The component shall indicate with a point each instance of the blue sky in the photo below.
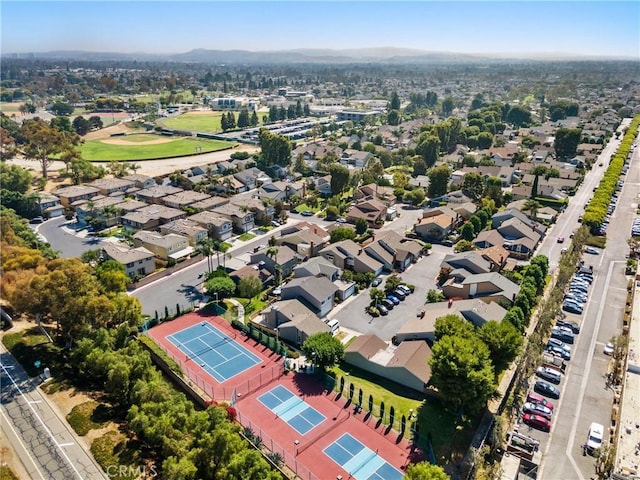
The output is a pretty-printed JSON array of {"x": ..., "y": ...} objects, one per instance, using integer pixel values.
[{"x": 604, "y": 28}]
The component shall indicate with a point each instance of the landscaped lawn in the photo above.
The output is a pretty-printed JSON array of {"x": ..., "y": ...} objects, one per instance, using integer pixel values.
[
  {"x": 245, "y": 237},
  {"x": 201, "y": 122},
  {"x": 450, "y": 437},
  {"x": 96, "y": 150}
]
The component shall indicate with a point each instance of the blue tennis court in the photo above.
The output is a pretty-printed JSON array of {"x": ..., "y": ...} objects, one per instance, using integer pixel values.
[
  {"x": 292, "y": 409},
  {"x": 361, "y": 462},
  {"x": 215, "y": 352}
]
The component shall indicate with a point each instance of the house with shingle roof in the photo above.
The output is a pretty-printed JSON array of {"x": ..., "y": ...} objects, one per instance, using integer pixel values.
[
  {"x": 157, "y": 193},
  {"x": 406, "y": 364},
  {"x": 369, "y": 209},
  {"x": 393, "y": 250},
  {"x": 316, "y": 292},
  {"x": 165, "y": 247},
  {"x": 218, "y": 226},
  {"x": 293, "y": 320},
  {"x": 186, "y": 228},
  {"x": 347, "y": 254},
  {"x": 484, "y": 286},
  {"x": 137, "y": 262}
]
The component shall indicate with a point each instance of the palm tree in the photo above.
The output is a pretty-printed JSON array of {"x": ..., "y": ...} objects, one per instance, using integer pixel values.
[
  {"x": 532, "y": 206},
  {"x": 205, "y": 246}
]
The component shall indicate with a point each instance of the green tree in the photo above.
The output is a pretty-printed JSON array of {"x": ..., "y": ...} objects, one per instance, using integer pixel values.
[
  {"x": 434, "y": 296},
  {"x": 223, "y": 287},
  {"x": 472, "y": 184},
  {"x": 425, "y": 471},
  {"x": 504, "y": 342},
  {"x": 393, "y": 117},
  {"x": 394, "y": 103},
  {"x": 428, "y": 147},
  {"x": 447, "y": 106},
  {"x": 439, "y": 178},
  {"x": 339, "y": 178},
  {"x": 376, "y": 295},
  {"x": 341, "y": 233},
  {"x": 519, "y": 116},
  {"x": 331, "y": 212},
  {"x": 249, "y": 287},
  {"x": 243, "y": 118},
  {"x": 324, "y": 349},
  {"x": 419, "y": 167},
  {"x": 468, "y": 232},
  {"x": 361, "y": 226},
  {"x": 276, "y": 149},
  {"x": 392, "y": 282},
  {"x": 62, "y": 108},
  {"x": 462, "y": 372},
  {"x": 112, "y": 276},
  {"x": 485, "y": 140},
  {"x": 42, "y": 142},
  {"x": 493, "y": 190},
  {"x": 452, "y": 325},
  {"x": 14, "y": 178},
  {"x": 81, "y": 125},
  {"x": 566, "y": 142}
]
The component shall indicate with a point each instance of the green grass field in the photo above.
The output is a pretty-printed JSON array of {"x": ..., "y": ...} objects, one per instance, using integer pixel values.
[
  {"x": 10, "y": 107},
  {"x": 95, "y": 150},
  {"x": 208, "y": 122}
]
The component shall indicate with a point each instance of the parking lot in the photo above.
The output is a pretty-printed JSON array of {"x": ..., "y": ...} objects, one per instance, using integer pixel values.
[{"x": 352, "y": 313}]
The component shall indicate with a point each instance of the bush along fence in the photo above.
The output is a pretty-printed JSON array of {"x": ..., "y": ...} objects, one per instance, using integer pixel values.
[
  {"x": 405, "y": 423},
  {"x": 271, "y": 342}
]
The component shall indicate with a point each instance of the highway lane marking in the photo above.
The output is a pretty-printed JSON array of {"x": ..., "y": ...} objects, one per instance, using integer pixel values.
[
  {"x": 26, "y": 450},
  {"x": 26, "y": 399}
]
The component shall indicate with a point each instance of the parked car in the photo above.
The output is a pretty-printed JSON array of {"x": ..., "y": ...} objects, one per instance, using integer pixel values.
[
  {"x": 306, "y": 213},
  {"x": 559, "y": 343},
  {"x": 341, "y": 220},
  {"x": 447, "y": 243},
  {"x": 536, "y": 421},
  {"x": 394, "y": 299},
  {"x": 575, "y": 327},
  {"x": 405, "y": 289},
  {"x": 383, "y": 310},
  {"x": 388, "y": 304},
  {"x": 546, "y": 389},
  {"x": 594, "y": 437},
  {"x": 562, "y": 335},
  {"x": 537, "y": 409},
  {"x": 400, "y": 294},
  {"x": 36, "y": 220},
  {"x": 549, "y": 374},
  {"x": 533, "y": 397},
  {"x": 608, "y": 349},
  {"x": 376, "y": 281},
  {"x": 591, "y": 251},
  {"x": 559, "y": 351},
  {"x": 571, "y": 308}
]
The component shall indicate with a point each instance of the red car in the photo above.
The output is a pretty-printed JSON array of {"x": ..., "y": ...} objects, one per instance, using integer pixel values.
[
  {"x": 533, "y": 397},
  {"x": 536, "y": 421},
  {"x": 560, "y": 239}
]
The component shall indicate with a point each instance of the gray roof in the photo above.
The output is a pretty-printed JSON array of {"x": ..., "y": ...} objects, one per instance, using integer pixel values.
[
  {"x": 124, "y": 254},
  {"x": 316, "y": 287}
]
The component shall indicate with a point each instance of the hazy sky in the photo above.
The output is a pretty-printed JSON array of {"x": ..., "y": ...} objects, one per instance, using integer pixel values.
[{"x": 610, "y": 28}]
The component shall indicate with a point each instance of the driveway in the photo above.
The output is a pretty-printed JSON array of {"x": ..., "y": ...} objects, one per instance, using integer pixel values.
[
  {"x": 422, "y": 274},
  {"x": 64, "y": 240}
]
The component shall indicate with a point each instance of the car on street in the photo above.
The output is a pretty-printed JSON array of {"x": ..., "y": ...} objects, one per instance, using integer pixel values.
[
  {"x": 560, "y": 239},
  {"x": 559, "y": 344},
  {"x": 566, "y": 355},
  {"x": 575, "y": 327},
  {"x": 533, "y": 397},
  {"x": 36, "y": 220},
  {"x": 594, "y": 437},
  {"x": 562, "y": 335},
  {"x": 549, "y": 374},
  {"x": 608, "y": 349},
  {"x": 536, "y": 421},
  {"x": 306, "y": 213},
  {"x": 591, "y": 251},
  {"x": 564, "y": 250},
  {"x": 571, "y": 308},
  {"x": 447, "y": 243},
  {"x": 537, "y": 409},
  {"x": 546, "y": 389},
  {"x": 394, "y": 299}
]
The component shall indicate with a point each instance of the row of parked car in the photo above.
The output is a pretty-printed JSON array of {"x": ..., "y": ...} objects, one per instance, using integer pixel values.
[
  {"x": 635, "y": 227},
  {"x": 392, "y": 299},
  {"x": 578, "y": 292}
]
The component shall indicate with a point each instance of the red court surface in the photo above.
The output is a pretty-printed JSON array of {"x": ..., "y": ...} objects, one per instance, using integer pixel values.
[
  {"x": 243, "y": 383},
  {"x": 310, "y": 461},
  {"x": 302, "y": 453}
]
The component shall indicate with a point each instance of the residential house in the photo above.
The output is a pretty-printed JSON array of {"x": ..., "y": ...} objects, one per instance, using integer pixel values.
[
  {"x": 104, "y": 211},
  {"x": 252, "y": 177},
  {"x": 218, "y": 226},
  {"x": 315, "y": 292},
  {"x": 154, "y": 195},
  {"x": 348, "y": 255},
  {"x": 137, "y": 262},
  {"x": 281, "y": 264},
  {"x": 165, "y": 247},
  {"x": 488, "y": 239},
  {"x": 108, "y": 186},
  {"x": 370, "y": 209},
  {"x": 307, "y": 239},
  {"x": 241, "y": 217},
  {"x": 75, "y": 193},
  {"x": 499, "y": 217},
  {"x": 393, "y": 251},
  {"x": 323, "y": 185},
  {"x": 497, "y": 256},
  {"x": 355, "y": 158},
  {"x": 485, "y": 286},
  {"x": 519, "y": 238},
  {"x": 151, "y": 217},
  {"x": 465, "y": 210},
  {"x": 384, "y": 194},
  {"x": 261, "y": 273},
  {"x": 470, "y": 261},
  {"x": 321, "y": 267},
  {"x": 49, "y": 205},
  {"x": 209, "y": 203},
  {"x": 140, "y": 181},
  {"x": 437, "y": 223},
  {"x": 293, "y": 321},
  {"x": 184, "y": 199},
  {"x": 406, "y": 364},
  {"x": 185, "y": 227},
  {"x": 263, "y": 212}
]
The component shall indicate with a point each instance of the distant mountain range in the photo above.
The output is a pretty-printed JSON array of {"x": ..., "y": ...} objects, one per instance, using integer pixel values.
[{"x": 299, "y": 56}]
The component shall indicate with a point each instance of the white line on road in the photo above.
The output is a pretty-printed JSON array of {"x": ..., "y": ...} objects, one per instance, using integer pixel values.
[
  {"x": 585, "y": 377},
  {"x": 66, "y": 444},
  {"x": 34, "y": 401},
  {"x": 26, "y": 450}
]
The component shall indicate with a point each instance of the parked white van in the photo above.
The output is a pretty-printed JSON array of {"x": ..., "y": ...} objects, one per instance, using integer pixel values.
[{"x": 334, "y": 325}]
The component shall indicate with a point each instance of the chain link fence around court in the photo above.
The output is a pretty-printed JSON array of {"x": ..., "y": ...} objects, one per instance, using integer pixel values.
[
  {"x": 191, "y": 370},
  {"x": 287, "y": 455}
]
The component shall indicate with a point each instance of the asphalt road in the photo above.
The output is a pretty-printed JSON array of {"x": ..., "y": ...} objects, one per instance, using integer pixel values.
[
  {"x": 68, "y": 244},
  {"x": 46, "y": 445},
  {"x": 585, "y": 397}
]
